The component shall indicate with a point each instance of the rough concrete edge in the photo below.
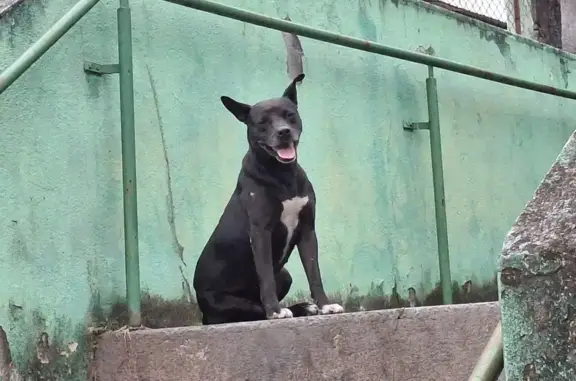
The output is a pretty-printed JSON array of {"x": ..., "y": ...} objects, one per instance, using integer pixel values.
[
  {"x": 121, "y": 352},
  {"x": 531, "y": 251},
  {"x": 390, "y": 314},
  {"x": 512, "y": 244}
]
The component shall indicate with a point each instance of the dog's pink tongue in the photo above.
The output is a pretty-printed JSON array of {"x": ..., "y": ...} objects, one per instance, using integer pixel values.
[{"x": 286, "y": 153}]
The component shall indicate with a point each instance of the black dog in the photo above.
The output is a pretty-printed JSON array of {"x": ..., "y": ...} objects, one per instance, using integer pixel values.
[{"x": 240, "y": 275}]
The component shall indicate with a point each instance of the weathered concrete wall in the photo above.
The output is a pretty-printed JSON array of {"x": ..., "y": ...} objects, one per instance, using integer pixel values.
[
  {"x": 61, "y": 251},
  {"x": 413, "y": 344},
  {"x": 538, "y": 280},
  {"x": 526, "y": 22},
  {"x": 569, "y": 25},
  {"x": 529, "y": 29}
]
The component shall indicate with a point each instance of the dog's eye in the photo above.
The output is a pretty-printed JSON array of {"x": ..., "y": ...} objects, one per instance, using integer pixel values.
[
  {"x": 289, "y": 115},
  {"x": 262, "y": 126}
]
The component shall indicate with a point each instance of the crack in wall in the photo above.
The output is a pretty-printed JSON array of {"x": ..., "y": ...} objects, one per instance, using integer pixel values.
[
  {"x": 178, "y": 248},
  {"x": 185, "y": 287}
]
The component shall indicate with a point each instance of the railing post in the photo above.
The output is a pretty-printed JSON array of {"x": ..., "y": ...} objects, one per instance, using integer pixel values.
[
  {"x": 433, "y": 125},
  {"x": 129, "y": 163},
  {"x": 438, "y": 183}
]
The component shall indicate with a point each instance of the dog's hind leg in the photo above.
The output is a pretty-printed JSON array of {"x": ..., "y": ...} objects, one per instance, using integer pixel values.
[
  {"x": 220, "y": 308},
  {"x": 283, "y": 283}
]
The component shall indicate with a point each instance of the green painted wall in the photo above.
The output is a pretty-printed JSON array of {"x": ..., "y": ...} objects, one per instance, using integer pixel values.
[{"x": 61, "y": 248}]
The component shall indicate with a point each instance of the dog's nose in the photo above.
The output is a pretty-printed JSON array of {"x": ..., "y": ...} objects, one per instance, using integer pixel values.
[{"x": 284, "y": 132}]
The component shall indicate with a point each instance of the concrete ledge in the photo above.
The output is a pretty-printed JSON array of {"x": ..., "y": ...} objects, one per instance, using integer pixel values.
[{"x": 413, "y": 344}]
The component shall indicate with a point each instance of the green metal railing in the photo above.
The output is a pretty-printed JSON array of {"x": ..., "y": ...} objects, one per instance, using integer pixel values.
[
  {"x": 438, "y": 183},
  {"x": 490, "y": 363},
  {"x": 130, "y": 199},
  {"x": 124, "y": 68},
  {"x": 433, "y": 114},
  {"x": 367, "y": 46}
]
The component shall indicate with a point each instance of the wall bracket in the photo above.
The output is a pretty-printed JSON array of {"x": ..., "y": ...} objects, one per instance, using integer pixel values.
[
  {"x": 101, "y": 69},
  {"x": 417, "y": 126}
]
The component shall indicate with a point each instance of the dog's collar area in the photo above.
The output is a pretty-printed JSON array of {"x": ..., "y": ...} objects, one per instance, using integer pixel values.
[{"x": 274, "y": 153}]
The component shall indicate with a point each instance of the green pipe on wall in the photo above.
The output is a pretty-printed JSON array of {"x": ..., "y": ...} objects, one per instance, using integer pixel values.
[
  {"x": 491, "y": 362},
  {"x": 438, "y": 183},
  {"x": 130, "y": 193}
]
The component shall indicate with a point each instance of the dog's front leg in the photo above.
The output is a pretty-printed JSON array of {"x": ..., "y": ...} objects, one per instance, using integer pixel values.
[
  {"x": 308, "y": 249},
  {"x": 262, "y": 248}
]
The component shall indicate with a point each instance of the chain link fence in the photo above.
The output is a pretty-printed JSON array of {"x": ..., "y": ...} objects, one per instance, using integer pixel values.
[
  {"x": 495, "y": 9},
  {"x": 510, "y": 14}
]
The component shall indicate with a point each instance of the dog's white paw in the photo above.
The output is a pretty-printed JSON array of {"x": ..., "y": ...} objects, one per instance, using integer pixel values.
[
  {"x": 284, "y": 313},
  {"x": 332, "y": 309},
  {"x": 312, "y": 309}
]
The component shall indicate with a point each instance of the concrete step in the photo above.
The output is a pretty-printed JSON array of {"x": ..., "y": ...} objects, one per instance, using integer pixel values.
[{"x": 440, "y": 343}]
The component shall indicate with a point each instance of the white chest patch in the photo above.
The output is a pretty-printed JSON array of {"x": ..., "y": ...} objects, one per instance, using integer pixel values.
[{"x": 290, "y": 217}]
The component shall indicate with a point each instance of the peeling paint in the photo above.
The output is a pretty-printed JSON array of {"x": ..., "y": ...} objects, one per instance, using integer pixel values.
[
  {"x": 48, "y": 364},
  {"x": 44, "y": 353},
  {"x": 71, "y": 348},
  {"x": 499, "y": 39},
  {"x": 429, "y": 50},
  {"x": 294, "y": 54}
]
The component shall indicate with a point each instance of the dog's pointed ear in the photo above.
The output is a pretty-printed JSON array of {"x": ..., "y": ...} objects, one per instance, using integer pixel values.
[
  {"x": 290, "y": 91},
  {"x": 239, "y": 110}
]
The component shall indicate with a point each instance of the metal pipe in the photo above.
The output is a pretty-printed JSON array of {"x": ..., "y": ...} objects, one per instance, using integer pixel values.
[
  {"x": 34, "y": 52},
  {"x": 129, "y": 164},
  {"x": 517, "y": 20},
  {"x": 367, "y": 46},
  {"x": 438, "y": 183},
  {"x": 491, "y": 361}
]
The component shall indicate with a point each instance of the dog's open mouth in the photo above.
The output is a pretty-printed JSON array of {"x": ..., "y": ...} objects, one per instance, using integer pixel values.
[{"x": 284, "y": 154}]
